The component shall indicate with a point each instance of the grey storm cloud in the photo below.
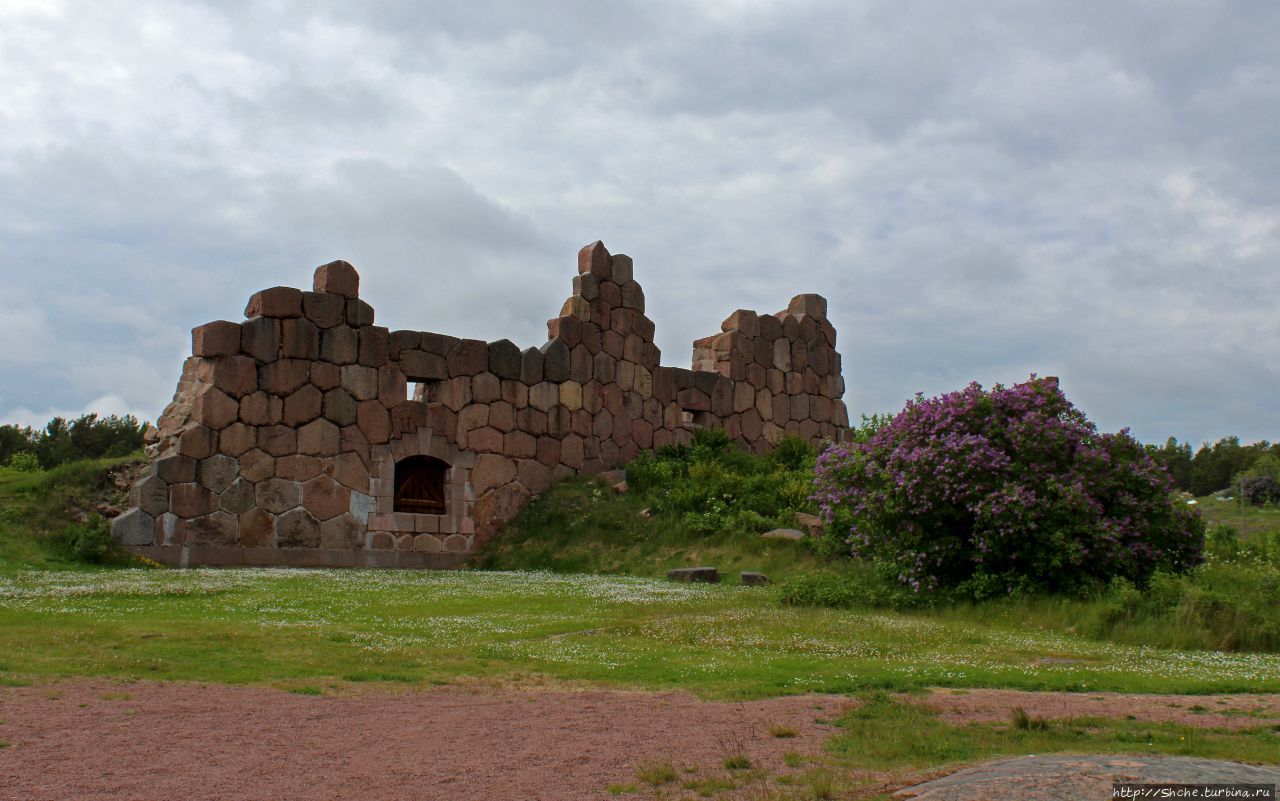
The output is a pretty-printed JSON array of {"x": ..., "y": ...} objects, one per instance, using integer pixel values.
[{"x": 982, "y": 190}]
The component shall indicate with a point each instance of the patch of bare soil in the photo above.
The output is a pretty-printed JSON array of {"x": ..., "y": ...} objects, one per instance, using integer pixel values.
[
  {"x": 1205, "y": 711},
  {"x": 99, "y": 740}
]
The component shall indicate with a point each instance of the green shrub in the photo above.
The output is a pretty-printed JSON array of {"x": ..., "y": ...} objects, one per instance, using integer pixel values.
[
  {"x": 89, "y": 541},
  {"x": 860, "y": 587},
  {"x": 24, "y": 462},
  {"x": 1005, "y": 491}
]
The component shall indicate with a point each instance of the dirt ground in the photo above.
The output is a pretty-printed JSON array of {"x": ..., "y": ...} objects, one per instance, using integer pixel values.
[{"x": 103, "y": 740}]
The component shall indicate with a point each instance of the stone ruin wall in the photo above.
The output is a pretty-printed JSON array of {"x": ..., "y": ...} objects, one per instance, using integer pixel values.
[{"x": 281, "y": 443}]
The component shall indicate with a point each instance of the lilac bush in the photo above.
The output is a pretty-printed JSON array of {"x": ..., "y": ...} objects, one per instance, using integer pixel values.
[{"x": 1003, "y": 491}]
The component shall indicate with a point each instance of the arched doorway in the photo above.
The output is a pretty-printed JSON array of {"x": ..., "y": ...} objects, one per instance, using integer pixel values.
[{"x": 420, "y": 485}]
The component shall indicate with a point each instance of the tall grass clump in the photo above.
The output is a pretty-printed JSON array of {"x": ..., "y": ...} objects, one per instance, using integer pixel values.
[{"x": 987, "y": 493}]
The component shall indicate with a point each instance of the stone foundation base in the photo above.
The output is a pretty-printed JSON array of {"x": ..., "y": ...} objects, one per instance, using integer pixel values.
[{"x": 215, "y": 556}]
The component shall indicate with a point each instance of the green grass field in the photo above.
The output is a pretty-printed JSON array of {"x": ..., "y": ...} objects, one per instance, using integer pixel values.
[{"x": 282, "y": 627}]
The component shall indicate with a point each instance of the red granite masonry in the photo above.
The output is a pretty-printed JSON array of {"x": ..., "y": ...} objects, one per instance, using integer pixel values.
[{"x": 281, "y": 444}]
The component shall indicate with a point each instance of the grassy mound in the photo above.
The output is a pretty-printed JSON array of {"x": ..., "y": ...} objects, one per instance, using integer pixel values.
[{"x": 50, "y": 518}]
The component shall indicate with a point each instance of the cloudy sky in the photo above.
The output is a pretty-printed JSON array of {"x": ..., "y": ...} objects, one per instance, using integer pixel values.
[{"x": 981, "y": 189}]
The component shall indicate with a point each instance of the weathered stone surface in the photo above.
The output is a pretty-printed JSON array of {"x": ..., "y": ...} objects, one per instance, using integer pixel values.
[
  {"x": 278, "y": 301},
  {"x": 814, "y": 306},
  {"x": 343, "y": 533},
  {"x": 277, "y": 440},
  {"x": 359, "y": 313},
  {"x": 219, "y": 338},
  {"x": 338, "y": 278},
  {"x": 484, "y": 440},
  {"x": 632, "y": 296},
  {"x": 214, "y": 408},
  {"x": 362, "y": 506},
  {"x": 468, "y": 357},
  {"x": 191, "y": 500},
  {"x": 324, "y": 309},
  {"x": 374, "y": 421},
  {"x": 501, "y": 504},
  {"x": 276, "y": 495},
  {"x": 237, "y": 498},
  {"x": 261, "y": 409},
  {"x": 299, "y": 339},
  {"x": 256, "y": 466},
  {"x": 340, "y": 345},
  {"x": 197, "y": 442},
  {"x": 319, "y": 438},
  {"x": 260, "y": 339},
  {"x": 556, "y": 361},
  {"x": 392, "y": 385},
  {"x": 257, "y": 529},
  {"x": 217, "y": 472},
  {"x": 595, "y": 259},
  {"x": 491, "y": 470},
  {"x": 568, "y": 329},
  {"x": 360, "y": 381},
  {"x": 325, "y": 498},
  {"x": 219, "y": 528},
  {"x": 485, "y": 388},
  {"x": 283, "y": 377},
  {"x": 351, "y": 471},
  {"x": 420, "y": 365},
  {"x": 151, "y": 495},
  {"x": 237, "y": 438},
  {"x": 374, "y": 346},
  {"x": 175, "y": 469},
  {"x": 302, "y": 406},
  {"x": 134, "y": 527},
  {"x": 299, "y": 467},
  {"x": 297, "y": 529},
  {"x": 339, "y": 407},
  {"x": 701, "y": 575}
]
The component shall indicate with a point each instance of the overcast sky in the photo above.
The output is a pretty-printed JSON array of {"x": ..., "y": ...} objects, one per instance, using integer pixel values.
[{"x": 981, "y": 189}]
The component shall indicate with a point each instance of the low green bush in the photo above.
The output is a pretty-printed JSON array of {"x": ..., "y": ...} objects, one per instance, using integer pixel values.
[{"x": 89, "y": 541}]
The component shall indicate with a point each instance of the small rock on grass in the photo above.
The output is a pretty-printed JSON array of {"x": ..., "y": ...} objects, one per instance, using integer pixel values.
[
  {"x": 704, "y": 575},
  {"x": 750, "y": 578}
]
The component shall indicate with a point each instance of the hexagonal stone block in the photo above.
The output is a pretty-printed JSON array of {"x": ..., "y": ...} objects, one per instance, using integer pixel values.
[
  {"x": 237, "y": 438},
  {"x": 151, "y": 495},
  {"x": 237, "y": 498},
  {"x": 419, "y": 365},
  {"x": 342, "y": 533},
  {"x": 260, "y": 338},
  {"x": 219, "y": 338},
  {"x": 175, "y": 469},
  {"x": 299, "y": 339},
  {"x": 214, "y": 409},
  {"x": 325, "y": 498},
  {"x": 278, "y": 301},
  {"x": 218, "y": 528},
  {"x": 359, "y": 313},
  {"x": 197, "y": 442},
  {"x": 595, "y": 259},
  {"x": 340, "y": 345},
  {"x": 257, "y": 529},
  {"x": 284, "y": 377},
  {"x": 318, "y": 438},
  {"x": 261, "y": 409},
  {"x": 302, "y": 406},
  {"x": 217, "y": 472},
  {"x": 298, "y": 467},
  {"x": 191, "y": 500},
  {"x": 276, "y": 495},
  {"x": 235, "y": 375},
  {"x": 374, "y": 421},
  {"x": 360, "y": 381},
  {"x": 134, "y": 527},
  {"x": 278, "y": 440},
  {"x": 324, "y": 309},
  {"x": 297, "y": 529},
  {"x": 257, "y": 466},
  {"x": 374, "y": 346},
  {"x": 338, "y": 278}
]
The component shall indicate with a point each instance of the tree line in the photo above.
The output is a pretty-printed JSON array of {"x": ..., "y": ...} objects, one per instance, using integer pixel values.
[
  {"x": 62, "y": 441},
  {"x": 1218, "y": 466}
]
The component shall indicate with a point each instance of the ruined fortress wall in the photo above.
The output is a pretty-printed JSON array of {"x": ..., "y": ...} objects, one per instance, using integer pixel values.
[{"x": 282, "y": 442}]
